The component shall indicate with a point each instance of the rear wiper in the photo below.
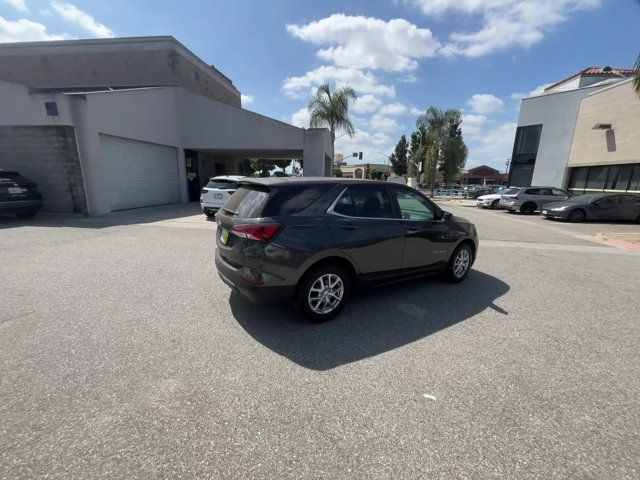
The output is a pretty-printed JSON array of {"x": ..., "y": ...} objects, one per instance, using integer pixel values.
[{"x": 230, "y": 212}]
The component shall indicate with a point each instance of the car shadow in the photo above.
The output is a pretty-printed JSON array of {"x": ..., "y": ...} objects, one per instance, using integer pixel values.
[{"x": 374, "y": 322}]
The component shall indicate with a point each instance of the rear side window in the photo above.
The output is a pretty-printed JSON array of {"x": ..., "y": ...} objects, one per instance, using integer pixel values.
[
  {"x": 629, "y": 199},
  {"x": 246, "y": 202},
  {"x": 293, "y": 199},
  {"x": 222, "y": 184},
  {"x": 533, "y": 191},
  {"x": 364, "y": 201}
]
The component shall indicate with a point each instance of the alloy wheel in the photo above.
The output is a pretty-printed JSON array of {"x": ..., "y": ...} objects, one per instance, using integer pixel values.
[
  {"x": 461, "y": 263},
  {"x": 326, "y": 293}
]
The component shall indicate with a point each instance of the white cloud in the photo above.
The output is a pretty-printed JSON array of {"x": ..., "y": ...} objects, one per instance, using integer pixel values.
[
  {"x": 409, "y": 78},
  {"x": 362, "y": 82},
  {"x": 393, "y": 109},
  {"x": 536, "y": 91},
  {"x": 484, "y": 103},
  {"x": 19, "y": 5},
  {"x": 491, "y": 146},
  {"x": 366, "y": 142},
  {"x": 24, "y": 30},
  {"x": 301, "y": 118},
  {"x": 74, "y": 15},
  {"x": 472, "y": 123},
  {"x": 416, "y": 111},
  {"x": 383, "y": 124},
  {"x": 246, "y": 99},
  {"x": 504, "y": 23},
  {"x": 366, "y": 104},
  {"x": 368, "y": 43}
]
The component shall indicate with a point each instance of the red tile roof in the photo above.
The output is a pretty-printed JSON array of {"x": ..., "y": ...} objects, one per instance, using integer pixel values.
[{"x": 594, "y": 71}]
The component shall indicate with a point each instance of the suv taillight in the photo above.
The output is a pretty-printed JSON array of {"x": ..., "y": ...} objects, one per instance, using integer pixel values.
[
  {"x": 259, "y": 232},
  {"x": 512, "y": 197},
  {"x": 203, "y": 191}
]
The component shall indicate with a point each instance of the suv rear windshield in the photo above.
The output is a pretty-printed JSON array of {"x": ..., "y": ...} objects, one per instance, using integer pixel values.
[
  {"x": 222, "y": 184},
  {"x": 246, "y": 202}
]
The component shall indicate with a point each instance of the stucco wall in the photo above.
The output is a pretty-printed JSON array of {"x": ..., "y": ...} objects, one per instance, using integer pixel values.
[
  {"x": 619, "y": 106},
  {"x": 112, "y": 62},
  {"x": 169, "y": 116},
  {"x": 557, "y": 113}
]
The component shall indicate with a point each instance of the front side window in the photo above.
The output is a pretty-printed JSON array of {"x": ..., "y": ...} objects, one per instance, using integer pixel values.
[
  {"x": 364, "y": 201},
  {"x": 413, "y": 206},
  {"x": 606, "y": 201},
  {"x": 629, "y": 199},
  {"x": 559, "y": 193}
]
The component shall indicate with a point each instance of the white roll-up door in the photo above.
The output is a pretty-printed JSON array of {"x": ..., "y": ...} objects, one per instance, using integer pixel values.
[{"x": 139, "y": 174}]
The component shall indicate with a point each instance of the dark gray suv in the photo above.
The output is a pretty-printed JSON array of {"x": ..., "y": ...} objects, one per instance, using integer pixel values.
[{"x": 314, "y": 240}]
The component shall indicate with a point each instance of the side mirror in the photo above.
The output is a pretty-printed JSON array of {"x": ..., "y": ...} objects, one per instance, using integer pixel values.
[{"x": 446, "y": 216}]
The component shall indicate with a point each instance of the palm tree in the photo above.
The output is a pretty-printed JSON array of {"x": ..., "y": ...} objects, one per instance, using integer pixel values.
[{"x": 332, "y": 110}]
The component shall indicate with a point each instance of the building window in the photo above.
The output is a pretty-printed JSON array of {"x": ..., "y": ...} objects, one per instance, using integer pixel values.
[
  {"x": 624, "y": 177},
  {"x": 578, "y": 179},
  {"x": 634, "y": 184},
  {"x": 597, "y": 178},
  {"x": 51, "y": 108},
  {"x": 525, "y": 151},
  {"x": 619, "y": 178}
]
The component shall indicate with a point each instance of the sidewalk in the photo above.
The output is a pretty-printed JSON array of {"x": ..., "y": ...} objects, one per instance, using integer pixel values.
[{"x": 625, "y": 240}]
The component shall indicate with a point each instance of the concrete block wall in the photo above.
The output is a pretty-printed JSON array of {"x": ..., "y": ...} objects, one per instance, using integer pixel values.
[{"x": 48, "y": 155}]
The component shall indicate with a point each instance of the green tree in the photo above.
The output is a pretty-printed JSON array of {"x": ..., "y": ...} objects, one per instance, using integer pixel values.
[
  {"x": 263, "y": 166},
  {"x": 373, "y": 173},
  {"x": 443, "y": 148},
  {"x": 331, "y": 110},
  {"x": 400, "y": 157},
  {"x": 454, "y": 151},
  {"x": 337, "y": 172}
]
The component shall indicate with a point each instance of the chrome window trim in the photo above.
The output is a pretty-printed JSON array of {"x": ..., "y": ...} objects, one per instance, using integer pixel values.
[{"x": 331, "y": 211}]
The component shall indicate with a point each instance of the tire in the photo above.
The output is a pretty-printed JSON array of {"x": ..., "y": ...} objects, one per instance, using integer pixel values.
[
  {"x": 528, "y": 208},
  {"x": 309, "y": 303},
  {"x": 452, "y": 272},
  {"x": 30, "y": 214},
  {"x": 576, "y": 216},
  {"x": 210, "y": 214},
  {"x": 494, "y": 204}
]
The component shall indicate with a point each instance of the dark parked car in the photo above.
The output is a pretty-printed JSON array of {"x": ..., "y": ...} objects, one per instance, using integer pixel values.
[
  {"x": 601, "y": 206},
  {"x": 19, "y": 195},
  {"x": 313, "y": 241}
]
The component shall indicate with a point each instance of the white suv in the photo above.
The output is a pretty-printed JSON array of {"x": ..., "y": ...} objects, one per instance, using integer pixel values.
[{"x": 217, "y": 192}]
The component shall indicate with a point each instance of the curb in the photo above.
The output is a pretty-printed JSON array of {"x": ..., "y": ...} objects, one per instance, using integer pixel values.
[{"x": 620, "y": 243}]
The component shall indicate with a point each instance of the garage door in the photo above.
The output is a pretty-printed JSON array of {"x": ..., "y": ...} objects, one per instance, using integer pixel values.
[{"x": 139, "y": 174}]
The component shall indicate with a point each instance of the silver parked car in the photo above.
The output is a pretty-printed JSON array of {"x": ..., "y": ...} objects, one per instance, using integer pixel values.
[{"x": 530, "y": 199}]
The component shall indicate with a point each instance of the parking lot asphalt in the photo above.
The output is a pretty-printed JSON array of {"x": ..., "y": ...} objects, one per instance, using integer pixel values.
[{"x": 122, "y": 355}]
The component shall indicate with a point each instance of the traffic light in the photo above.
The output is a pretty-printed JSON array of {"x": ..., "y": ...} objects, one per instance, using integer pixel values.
[{"x": 360, "y": 156}]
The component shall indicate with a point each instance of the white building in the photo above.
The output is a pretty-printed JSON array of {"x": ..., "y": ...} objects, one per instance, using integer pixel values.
[
  {"x": 547, "y": 123},
  {"x": 113, "y": 124}
]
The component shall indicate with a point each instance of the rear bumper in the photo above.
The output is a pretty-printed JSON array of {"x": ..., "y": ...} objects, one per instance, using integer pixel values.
[
  {"x": 33, "y": 205},
  {"x": 255, "y": 293}
]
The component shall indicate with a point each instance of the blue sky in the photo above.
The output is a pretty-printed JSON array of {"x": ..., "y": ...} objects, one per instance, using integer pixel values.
[{"x": 401, "y": 56}]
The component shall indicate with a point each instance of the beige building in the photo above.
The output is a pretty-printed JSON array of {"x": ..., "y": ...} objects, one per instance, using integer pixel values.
[
  {"x": 605, "y": 151},
  {"x": 362, "y": 171}
]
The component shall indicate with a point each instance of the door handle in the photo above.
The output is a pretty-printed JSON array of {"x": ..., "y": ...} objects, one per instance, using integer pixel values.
[
  {"x": 412, "y": 229},
  {"x": 348, "y": 226}
]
